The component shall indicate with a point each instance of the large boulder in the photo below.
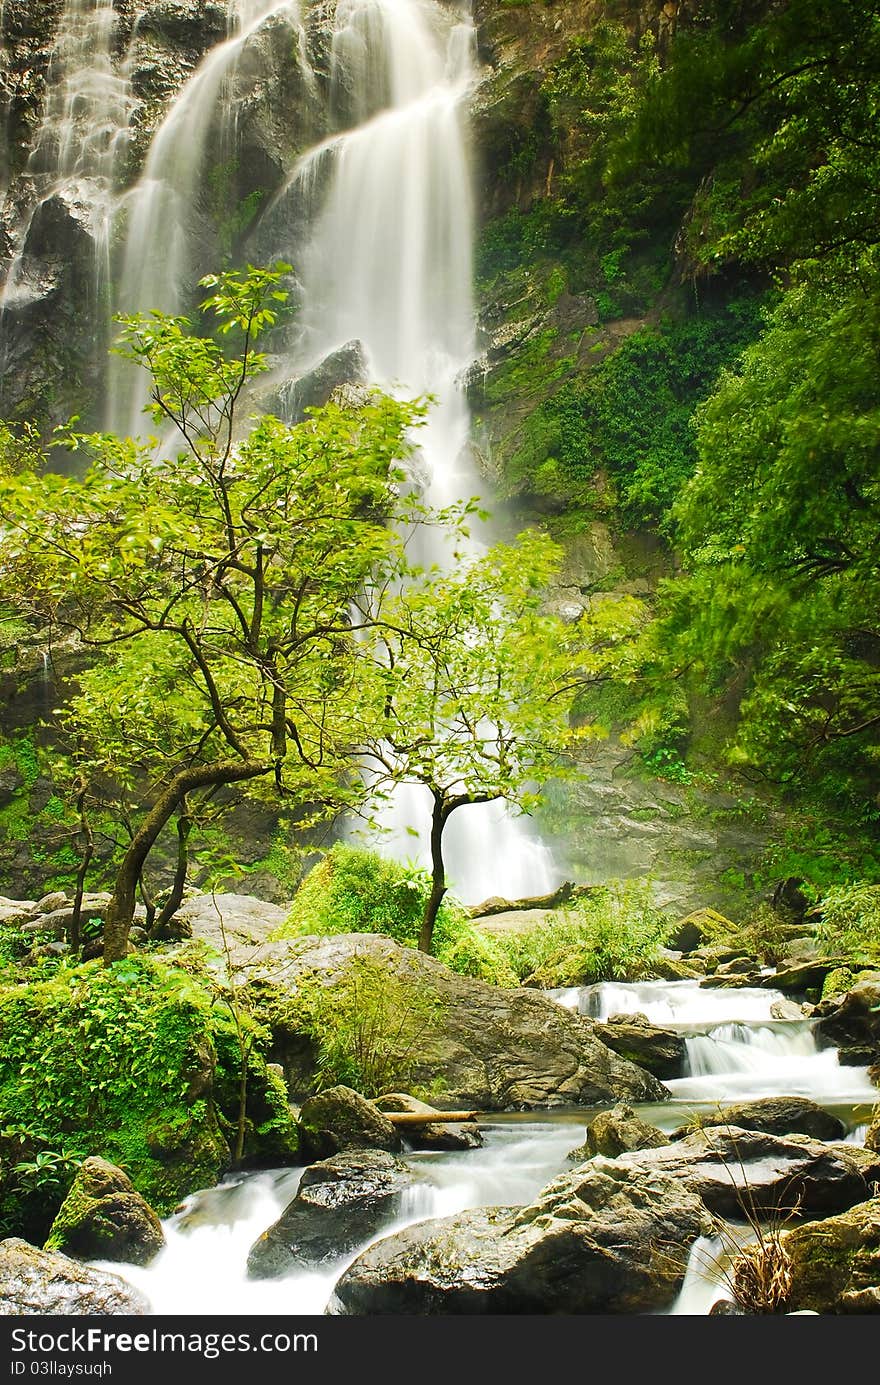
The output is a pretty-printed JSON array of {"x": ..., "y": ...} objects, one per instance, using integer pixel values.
[
  {"x": 776, "y": 1115},
  {"x": 347, "y": 365},
  {"x": 341, "y": 1119},
  {"x": 741, "y": 1172},
  {"x": 104, "y": 1217},
  {"x": 43, "y": 1283},
  {"x": 235, "y": 922},
  {"x": 618, "y": 1131},
  {"x": 852, "y": 1024},
  {"x": 698, "y": 927},
  {"x": 835, "y": 1263},
  {"x": 600, "y": 1239},
  {"x": 802, "y": 976},
  {"x": 483, "y": 1048},
  {"x": 341, "y": 1203},
  {"x": 437, "y": 1134},
  {"x": 660, "y": 1051}
]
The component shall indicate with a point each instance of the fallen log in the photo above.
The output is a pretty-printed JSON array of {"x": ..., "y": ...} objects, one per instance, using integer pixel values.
[
  {"x": 564, "y": 894},
  {"x": 429, "y": 1117}
]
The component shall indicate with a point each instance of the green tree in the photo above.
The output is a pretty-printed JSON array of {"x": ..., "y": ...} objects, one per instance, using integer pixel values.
[
  {"x": 474, "y": 679},
  {"x": 213, "y": 591},
  {"x": 780, "y": 527}
]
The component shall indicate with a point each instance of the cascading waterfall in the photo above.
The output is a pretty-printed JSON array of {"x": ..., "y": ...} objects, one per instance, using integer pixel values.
[
  {"x": 737, "y": 1048},
  {"x": 388, "y": 265},
  {"x": 203, "y": 1266},
  {"x": 77, "y": 151},
  {"x": 161, "y": 210}
]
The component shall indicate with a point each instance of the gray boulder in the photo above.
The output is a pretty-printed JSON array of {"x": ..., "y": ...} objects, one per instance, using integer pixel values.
[
  {"x": 488, "y": 1048},
  {"x": 245, "y": 921},
  {"x": 341, "y": 1119},
  {"x": 345, "y": 366},
  {"x": 42, "y": 1283},
  {"x": 776, "y": 1115},
  {"x": 660, "y": 1051},
  {"x": 340, "y": 1204},
  {"x": 104, "y": 1217},
  {"x": 618, "y": 1131},
  {"x": 600, "y": 1239},
  {"x": 737, "y": 1172}
]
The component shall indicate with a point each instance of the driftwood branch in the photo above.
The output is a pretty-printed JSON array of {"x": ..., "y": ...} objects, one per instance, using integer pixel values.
[
  {"x": 563, "y": 894},
  {"x": 429, "y": 1117}
]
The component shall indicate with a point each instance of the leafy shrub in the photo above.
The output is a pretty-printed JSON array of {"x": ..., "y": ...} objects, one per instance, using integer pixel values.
[
  {"x": 356, "y": 891},
  {"x": 849, "y": 920},
  {"x": 369, "y": 1027},
  {"x": 119, "y": 1061},
  {"x": 611, "y": 935}
]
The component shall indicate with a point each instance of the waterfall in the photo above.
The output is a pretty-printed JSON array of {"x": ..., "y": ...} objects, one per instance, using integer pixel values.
[
  {"x": 388, "y": 264},
  {"x": 76, "y": 156},
  {"x": 736, "y": 1048},
  {"x": 203, "y": 1267},
  {"x": 158, "y": 263}
]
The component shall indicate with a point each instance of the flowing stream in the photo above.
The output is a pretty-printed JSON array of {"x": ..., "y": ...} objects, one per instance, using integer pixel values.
[{"x": 203, "y": 1268}]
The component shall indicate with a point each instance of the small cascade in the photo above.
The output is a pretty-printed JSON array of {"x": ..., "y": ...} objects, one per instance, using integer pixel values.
[
  {"x": 736, "y": 1048},
  {"x": 161, "y": 212},
  {"x": 202, "y": 1269},
  {"x": 704, "y": 1282}
]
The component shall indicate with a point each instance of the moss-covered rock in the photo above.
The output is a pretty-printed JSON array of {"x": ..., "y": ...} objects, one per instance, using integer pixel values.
[
  {"x": 104, "y": 1217},
  {"x": 341, "y": 1119},
  {"x": 833, "y": 1262}
]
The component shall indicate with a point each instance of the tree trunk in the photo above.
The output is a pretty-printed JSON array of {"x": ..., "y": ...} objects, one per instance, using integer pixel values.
[
  {"x": 438, "y": 875},
  {"x": 74, "y": 930},
  {"x": 120, "y": 910},
  {"x": 174, "y": 900}
]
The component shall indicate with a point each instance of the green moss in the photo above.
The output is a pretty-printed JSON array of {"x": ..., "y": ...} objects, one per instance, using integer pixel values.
[{"x": 119, "y": 1062}]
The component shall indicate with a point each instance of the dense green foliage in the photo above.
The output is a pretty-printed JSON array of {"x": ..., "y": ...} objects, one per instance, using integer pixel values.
[
  {"x": 849, "y": 922},
  {"x": 357, "y": 891},
  {"x": 612, "y": 934},
  {"x": 779, "y": 526},
  {"x": 135, "y": 1062},
  {"x": 631, "y": 416}
]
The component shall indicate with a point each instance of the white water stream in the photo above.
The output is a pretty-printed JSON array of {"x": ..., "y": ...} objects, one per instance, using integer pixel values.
[
  {"x": 388, "y": 264},
  {"x": 736, "y": 1048},
  {"x": 203, "y": 1268},
  {"x": 160, "y": 213}
]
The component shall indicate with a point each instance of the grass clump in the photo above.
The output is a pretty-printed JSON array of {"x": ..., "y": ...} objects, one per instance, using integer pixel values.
[
  {"x": 849, "y": 921},
  {"x": 611, "y": 935},
  {"x": 370, "y": 1027}
]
